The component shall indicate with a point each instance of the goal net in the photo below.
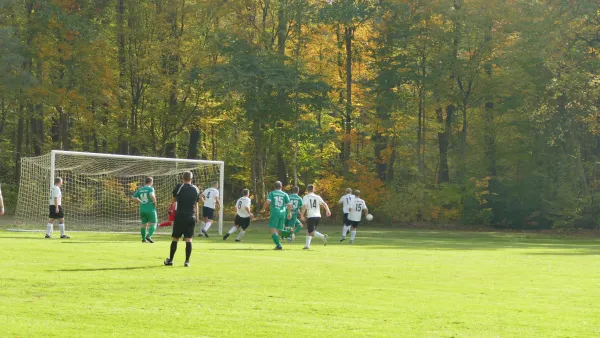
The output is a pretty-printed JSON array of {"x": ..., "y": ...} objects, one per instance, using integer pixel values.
[{"x": 97, "y": 188}]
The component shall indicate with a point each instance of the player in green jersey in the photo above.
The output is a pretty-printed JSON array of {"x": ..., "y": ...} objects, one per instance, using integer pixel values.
[
  {"x": 293, "y": 225},
  {"x": 280, "y": 206},
  {"x": 145, "y": 195}
]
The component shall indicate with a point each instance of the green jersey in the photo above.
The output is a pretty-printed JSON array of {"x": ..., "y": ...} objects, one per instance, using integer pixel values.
[
  {"x": 296, "y": 204},
  {"x": 279, "y": 202},
  {"x": 144, "y": 194}
]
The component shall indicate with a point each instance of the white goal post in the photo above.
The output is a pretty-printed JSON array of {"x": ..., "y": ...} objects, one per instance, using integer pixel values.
[{"x": 97, "y": 188}]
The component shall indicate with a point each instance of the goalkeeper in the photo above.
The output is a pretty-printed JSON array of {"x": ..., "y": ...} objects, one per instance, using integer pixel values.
[
  {"x": 293, "y": 225},
  {"x": 172, "y": 212}
]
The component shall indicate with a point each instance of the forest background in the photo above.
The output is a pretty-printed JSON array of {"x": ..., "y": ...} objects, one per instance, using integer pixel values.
[{"x": 470, "y": 112}]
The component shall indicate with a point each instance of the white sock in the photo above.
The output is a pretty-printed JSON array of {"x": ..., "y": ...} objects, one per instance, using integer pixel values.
[
  {"x": 240, "y": 235},
  {"x": 352, "y": 234},
  {"x": 61, "y": 227},
  {"x": 49, "y": 229},
  {"x": 207, "y": 226},
  {"x": 319, "y": 235},
  {"x": 308, "y": 238},
  {"x": 232, "y": 230},
  {"x": 345, "y": 231}
]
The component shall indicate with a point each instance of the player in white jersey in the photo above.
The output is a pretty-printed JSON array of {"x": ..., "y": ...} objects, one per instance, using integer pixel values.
[
  {"x": 211, "y": 200},
  {"x": 56, "y": 210},
  {"x": 357, "y": 208},
  {"x": 312, "y": 206},
  {"x": 345, "y": 202},
  {"x": 243, "y": 217}
]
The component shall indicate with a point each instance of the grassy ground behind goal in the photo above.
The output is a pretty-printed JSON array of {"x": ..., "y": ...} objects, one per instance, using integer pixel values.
[{"x": 390, "y": 283}]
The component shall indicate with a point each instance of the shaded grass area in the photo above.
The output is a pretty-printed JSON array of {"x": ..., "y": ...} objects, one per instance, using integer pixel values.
[{"x": 390, "y": 283}]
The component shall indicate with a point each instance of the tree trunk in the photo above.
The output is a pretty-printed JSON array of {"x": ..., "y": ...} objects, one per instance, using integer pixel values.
[
  {"x": 170, "y": 150},
  {"x": 444, "y": 142},
  {"x": 390, "y": 166},
  {"x": 348, "y": 37},
  {"x": 19, "y": 145},
  {"x": 490, "y": 139},
  {"x": 419, "y": 132},
  {"x": 3, "y": 112},
  {"x": 257, "y": 165},
  {"x": 193, "y": 143},
  {"x": 379, "y": 146},
  {"x": 123, "y": 139},
  {"x": 296, "y": 163},
  {"x": 281, "y": 169},
  {"x": 37, "y": 129}
]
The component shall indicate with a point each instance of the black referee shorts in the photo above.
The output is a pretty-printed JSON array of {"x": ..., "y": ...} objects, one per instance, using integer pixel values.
[{"x": 184, "y": 225}]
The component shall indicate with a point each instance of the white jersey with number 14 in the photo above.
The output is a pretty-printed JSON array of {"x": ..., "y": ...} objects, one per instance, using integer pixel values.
[{"x": 313, "y": 204}]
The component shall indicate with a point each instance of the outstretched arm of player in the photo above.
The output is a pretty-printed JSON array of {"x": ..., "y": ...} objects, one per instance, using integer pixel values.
[
  {"x": 366, "y": 210},
  {"x": 153, "y": 198}
]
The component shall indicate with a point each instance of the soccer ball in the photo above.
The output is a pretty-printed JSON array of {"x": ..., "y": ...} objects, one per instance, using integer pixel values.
[{"x": 369, "y": 217}]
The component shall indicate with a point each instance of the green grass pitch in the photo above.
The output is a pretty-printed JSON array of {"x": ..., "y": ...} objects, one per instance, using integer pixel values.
[{"x": 390, "y": 283}]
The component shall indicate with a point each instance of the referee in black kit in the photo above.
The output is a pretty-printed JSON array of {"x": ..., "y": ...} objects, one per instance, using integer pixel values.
[{"x": 187, "y": 196}]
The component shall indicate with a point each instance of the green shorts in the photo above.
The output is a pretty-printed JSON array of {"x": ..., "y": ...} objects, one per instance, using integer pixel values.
[
  {"x": 148, "y": 217},
  {"x": 277, "y": 222},
  {"x": 293, "y": 222}
]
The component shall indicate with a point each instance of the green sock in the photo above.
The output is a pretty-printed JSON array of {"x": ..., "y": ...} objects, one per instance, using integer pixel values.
[
  {"x": 297, "y": 230},
  {"x": 285, "y": 233},
  {"x": 276, "y": 239},
  {"x": 151, "y": 230},
  {"x": 144, "y": 233}
]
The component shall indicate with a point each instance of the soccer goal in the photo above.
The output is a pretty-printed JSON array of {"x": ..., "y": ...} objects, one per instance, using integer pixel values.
[{"x": 97, "y": 188}]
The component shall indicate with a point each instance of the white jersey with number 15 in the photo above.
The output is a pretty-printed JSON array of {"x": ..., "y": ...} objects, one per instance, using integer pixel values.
[{"x": 357, "y": 205}]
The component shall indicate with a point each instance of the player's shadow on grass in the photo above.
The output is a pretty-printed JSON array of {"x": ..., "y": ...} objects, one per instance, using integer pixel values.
[
  {"x": 241, "y": 249},
  {"x": 573, "y": 253},
  {"x": 25, "y": 237},
  {"x": 109, "y": 269},
  {"x": 90, "y": 242}
]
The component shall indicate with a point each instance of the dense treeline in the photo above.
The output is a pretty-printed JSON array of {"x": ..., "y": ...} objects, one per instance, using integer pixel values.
[{"x": 466, "y": 111}]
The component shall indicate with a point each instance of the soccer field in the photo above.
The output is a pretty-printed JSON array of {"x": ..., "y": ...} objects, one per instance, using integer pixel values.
[{"x": 390, "y": 283}]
